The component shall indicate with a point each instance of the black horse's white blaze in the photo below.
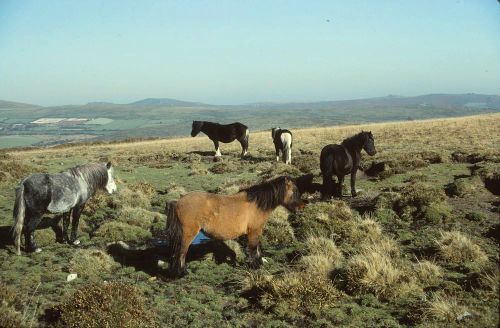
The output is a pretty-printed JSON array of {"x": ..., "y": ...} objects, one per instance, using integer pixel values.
[
  {"x": 63, "y": 193},
  {"x": 223, "y": 133},
  {"x": 282, "y": 140}
]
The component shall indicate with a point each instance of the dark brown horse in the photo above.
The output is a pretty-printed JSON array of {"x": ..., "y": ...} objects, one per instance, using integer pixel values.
[
  {"x": 224, "y": 217},
  {"x": 344, "y": 159},
  {"x": 225, "y": 133}
]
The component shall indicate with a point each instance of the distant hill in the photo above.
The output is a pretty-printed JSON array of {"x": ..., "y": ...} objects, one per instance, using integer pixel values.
[
  {"x": 166, "y": 102},
  {"x": 431, "y": 100},
  {"x": 160, "y": 117},
  {"x": 13, "y": 105}
]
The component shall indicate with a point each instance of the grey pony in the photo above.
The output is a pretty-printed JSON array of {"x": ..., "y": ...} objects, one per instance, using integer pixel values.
[{"x": 63, "y": 193}]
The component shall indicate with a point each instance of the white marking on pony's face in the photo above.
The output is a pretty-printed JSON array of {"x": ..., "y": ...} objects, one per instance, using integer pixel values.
[
  {"x": 217, "y": 152},
  {"x": 277, "y": 158},
  {"x": 245, "y": 153},
  {"x": 111, "y": 185}
]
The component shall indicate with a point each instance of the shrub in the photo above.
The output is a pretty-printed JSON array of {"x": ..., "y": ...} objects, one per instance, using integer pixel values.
[
  {"x": 120, "y": 231},
  {"x": 456, "y": 248},
  {"x": 113, "y": 304},
  {"x": 89, "y": 263}
]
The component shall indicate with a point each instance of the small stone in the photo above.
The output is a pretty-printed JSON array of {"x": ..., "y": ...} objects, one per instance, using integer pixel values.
[
  {"x": 71, "y": 277},
  {"x": 464, "y": 316}
]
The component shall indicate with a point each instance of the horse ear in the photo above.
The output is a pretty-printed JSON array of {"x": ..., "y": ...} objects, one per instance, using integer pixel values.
[{"x": 108, "y": 165}]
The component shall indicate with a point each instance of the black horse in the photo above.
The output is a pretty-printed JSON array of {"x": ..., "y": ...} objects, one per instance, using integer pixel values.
[
  {"x": 344, "y": 159},
  {"x": 282, "y": 140},
  {"x": 60, "y": 193},
  {"x": 223, "y": 133}
]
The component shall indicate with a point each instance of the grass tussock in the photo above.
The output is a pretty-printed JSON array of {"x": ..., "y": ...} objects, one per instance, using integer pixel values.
[
  {"x": 292, "y": 291},
  {"x": 138, "y": 216},
  {"x": 428, "y": 273},
  {"x": 89, "y": 263},
  {"x": 444, "y": 308},
  {"x": 456, "y": 248},
  {"x": 420, "y": 201},
  {"x": 130, "y": 197},
  {"x": 460, "y": 188},
  {"x": 331, "y": 220},
  {"x": 120, "y": 231},
  {"x": 112, "y": 304},
  {"x": 13, "y": 170},
  {"x": 12, "y": 309},
  {"x": 323, "y": 256}
]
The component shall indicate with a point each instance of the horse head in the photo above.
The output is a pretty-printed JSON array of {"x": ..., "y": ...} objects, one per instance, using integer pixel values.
[
  {"x": 291, "y": 199},
  {"x": 369, "y": 144},
  {"x": 110, "y": 184},
  {"x": 196, "y": 128},
  {"x": 274, "y": 131}
]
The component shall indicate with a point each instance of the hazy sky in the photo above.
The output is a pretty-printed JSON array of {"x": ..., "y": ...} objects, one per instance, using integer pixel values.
[{"x": 228, "y": 52}]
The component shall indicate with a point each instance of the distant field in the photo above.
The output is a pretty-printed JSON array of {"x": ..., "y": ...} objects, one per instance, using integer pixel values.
[
  {"x": 18, "y": 141},
  {"x": 417, "y": 248},
  {"x": 155, "y": 118}
]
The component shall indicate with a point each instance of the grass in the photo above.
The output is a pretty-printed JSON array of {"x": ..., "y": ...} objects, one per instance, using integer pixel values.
[{"x": 391, "y": 257}]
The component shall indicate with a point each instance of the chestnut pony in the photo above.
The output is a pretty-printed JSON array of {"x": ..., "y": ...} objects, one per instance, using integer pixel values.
[{"x": 224, "y": 217}]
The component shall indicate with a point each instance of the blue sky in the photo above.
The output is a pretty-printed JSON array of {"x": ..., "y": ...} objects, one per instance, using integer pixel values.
[{"x": 231, "y": 52}]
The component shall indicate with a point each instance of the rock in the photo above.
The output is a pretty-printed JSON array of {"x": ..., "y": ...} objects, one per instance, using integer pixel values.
[{"x": 71, "y": 277}]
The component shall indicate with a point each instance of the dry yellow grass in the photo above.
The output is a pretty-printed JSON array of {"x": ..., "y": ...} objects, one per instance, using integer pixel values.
[
  {"x": 442, "y": 135},
  {"x": 457, "y": 248}
]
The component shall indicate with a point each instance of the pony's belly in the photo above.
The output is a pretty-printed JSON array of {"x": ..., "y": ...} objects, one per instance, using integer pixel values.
[{"x": 222, "y": 232}]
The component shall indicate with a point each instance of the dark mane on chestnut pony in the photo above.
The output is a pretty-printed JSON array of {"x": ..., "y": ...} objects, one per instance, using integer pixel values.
[{"x": 269, "y": 194}]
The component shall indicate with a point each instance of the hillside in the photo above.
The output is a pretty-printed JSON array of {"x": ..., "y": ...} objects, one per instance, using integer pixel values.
[
  {"x": 162, "y": 117},
  {"x": 417, "y": 248},
  {"x": 4, "y": 104}
]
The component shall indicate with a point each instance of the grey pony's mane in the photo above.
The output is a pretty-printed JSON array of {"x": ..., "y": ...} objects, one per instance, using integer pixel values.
[{"x": 94, "y": 174}]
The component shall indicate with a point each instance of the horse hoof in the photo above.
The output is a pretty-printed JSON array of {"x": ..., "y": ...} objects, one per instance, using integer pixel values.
[
  {"x": 264, "y": 260},
  {"x": 37, "y": 250},
  {"x": 76, "y": 242}
]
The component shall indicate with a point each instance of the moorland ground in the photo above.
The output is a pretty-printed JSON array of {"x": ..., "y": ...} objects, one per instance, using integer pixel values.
[{"x": 417, "y": 247}]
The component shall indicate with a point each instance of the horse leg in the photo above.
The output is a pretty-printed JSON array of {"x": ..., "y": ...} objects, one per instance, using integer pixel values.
[
  {"x": 353, "y": 183},
  {"x": 57, "y": 228},
  {"x": 244, "y": 145},
  {"x": 328, "y": 187},
  {"x": 217, "y": 150},
  {"x": 340, "y": 186},
  {"x": 255, "y": 256},
  {"x": 77, "y": 211},
  {"x": 29, "y": 233},
  {"x": 179, "y": 265},
  {"x": 65, "y": 225},
  {"x": 277, "y": 153}
]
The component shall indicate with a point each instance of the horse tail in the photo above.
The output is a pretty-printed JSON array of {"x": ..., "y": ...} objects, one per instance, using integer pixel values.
[
  {"x": 174, "y": 233},
  {"x": 19, "y": 213}
]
